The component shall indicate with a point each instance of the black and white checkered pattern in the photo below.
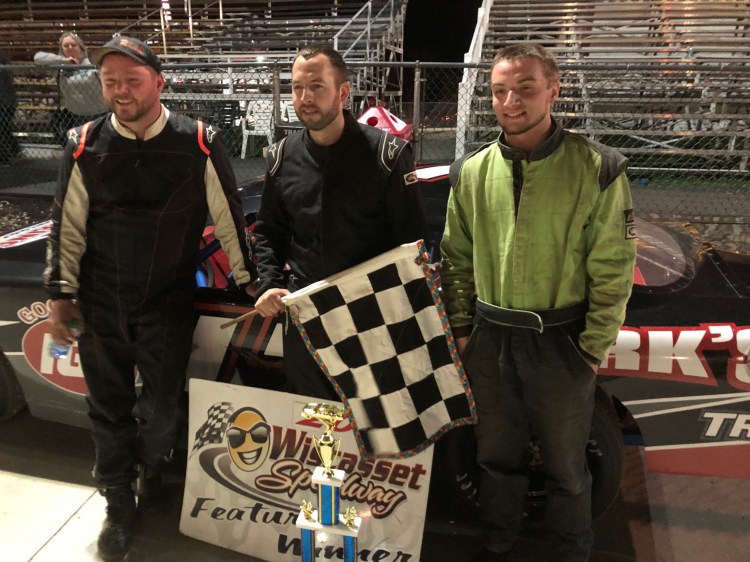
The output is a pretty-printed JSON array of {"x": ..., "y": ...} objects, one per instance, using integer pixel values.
[
  {"x": 212, "y": 430},
  {"x": 379, "y": 336}
]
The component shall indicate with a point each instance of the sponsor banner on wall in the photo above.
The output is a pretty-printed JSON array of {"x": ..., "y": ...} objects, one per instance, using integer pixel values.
[{"x": 250, "y": 462}]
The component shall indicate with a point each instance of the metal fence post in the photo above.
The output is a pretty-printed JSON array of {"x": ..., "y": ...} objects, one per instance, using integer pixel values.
[
  {"x": 417, "y": 117},
  {"x": 463, "y": 110},
  {"x": 276, "y": 99}
]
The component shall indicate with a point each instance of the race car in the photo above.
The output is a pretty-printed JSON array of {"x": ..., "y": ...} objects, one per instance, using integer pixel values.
[{"x": 677, "y": 378}]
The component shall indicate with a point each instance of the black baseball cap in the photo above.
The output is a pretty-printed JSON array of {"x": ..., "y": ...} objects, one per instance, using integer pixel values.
[{"x": 134, "y": 48}]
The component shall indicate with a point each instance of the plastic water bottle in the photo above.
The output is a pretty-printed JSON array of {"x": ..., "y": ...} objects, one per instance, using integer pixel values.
[{"x": 62, "y": 350}]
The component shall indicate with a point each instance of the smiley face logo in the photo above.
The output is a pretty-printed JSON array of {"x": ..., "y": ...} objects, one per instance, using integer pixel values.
[{"x": 248, "y": 439}]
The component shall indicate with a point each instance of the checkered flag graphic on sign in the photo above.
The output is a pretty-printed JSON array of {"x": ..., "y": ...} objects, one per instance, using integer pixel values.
[
  {"x": 212, "y": 430},
  {"x": 380, "y": 334}
]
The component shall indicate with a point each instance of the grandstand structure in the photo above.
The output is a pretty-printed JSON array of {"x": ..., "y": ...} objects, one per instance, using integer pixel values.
[
  {"x": 235, "y": 46},
  {"x": 666, "y": 82},
  {"x": 203, "y": 30}
]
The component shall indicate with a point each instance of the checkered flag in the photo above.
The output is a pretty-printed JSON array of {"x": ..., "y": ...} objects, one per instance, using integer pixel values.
[
  {"x": 380, "y": 334},
  {"x": 212, "y": 430}
]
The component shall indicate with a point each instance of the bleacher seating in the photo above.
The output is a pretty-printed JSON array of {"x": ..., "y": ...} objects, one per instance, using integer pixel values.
[
  {"x": 619, "y": 30},
  {"x": 231, "y": 30},
  {"x": 214, "y": 28},
  {"x": 27, "y": 27}
]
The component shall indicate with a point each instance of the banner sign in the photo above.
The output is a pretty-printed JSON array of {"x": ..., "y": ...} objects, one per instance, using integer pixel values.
[{"x": 250, "y": 463}]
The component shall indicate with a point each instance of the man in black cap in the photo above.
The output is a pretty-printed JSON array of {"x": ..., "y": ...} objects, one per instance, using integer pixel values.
[{"x": 134, "y": 191}]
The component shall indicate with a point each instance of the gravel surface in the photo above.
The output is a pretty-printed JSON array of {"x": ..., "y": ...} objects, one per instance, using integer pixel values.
[{"x": 17, "y": 212}]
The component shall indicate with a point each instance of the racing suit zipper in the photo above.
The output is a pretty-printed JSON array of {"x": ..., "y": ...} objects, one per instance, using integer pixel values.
[
  {"x": 517, "y": 184},
  {"x": 325, "y": 158},
  {"x": 139, "y": 145}
]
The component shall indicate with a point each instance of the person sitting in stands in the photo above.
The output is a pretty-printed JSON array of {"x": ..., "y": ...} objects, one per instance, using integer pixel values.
[{"x": 79, "y": 88}]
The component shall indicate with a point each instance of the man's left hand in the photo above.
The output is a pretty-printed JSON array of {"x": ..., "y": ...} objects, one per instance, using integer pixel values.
[{"x": 270, "y": 303}]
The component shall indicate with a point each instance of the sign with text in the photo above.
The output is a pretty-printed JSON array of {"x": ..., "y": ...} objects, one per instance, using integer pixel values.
[{"x": 250, "y": 462}]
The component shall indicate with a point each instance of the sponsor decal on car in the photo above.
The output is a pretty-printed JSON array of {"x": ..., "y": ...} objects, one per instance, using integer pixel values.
[
  {"x": 25, "y": 235},
  {"x": 676, "y": 353}
]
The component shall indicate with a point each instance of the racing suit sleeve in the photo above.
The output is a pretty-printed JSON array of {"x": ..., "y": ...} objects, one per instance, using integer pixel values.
[
  {"x": 611, "y": 251},
  {"x": 457, "y": 264},
  {"x": 271, "y": 235},
  {"x": 225, "y": 206},
  {"x": 406, "y": 220},
  {"x": 67, "y": 239}
]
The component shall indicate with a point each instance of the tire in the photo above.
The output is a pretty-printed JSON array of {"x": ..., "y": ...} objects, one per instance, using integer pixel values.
[
  {"x": 605, "y": 454},
  {"x": 11, "y": 396},
  {"x": 458, "y": 472}
]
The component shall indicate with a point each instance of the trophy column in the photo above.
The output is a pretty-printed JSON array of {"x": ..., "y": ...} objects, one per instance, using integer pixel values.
[{"x": 327, "y": 517}]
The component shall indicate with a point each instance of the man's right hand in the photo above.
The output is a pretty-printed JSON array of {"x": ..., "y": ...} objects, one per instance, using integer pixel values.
[
  {"x": 270, "y": 303},
  {"x": 62, "y": 314}
]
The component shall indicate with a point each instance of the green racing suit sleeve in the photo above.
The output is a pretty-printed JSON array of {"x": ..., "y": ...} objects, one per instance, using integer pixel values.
[
  {"x": 457, "y": 264},
  {"x": 611, "y": 250}
]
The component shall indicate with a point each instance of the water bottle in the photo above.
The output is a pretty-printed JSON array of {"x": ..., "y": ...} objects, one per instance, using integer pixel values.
[{"x": 62, "y": 350}]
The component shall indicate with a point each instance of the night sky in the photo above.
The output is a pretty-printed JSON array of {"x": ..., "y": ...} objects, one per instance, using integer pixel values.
[{"x": 439, "y": 30}]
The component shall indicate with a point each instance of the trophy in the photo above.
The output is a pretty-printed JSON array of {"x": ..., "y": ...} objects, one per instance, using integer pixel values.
[
  {"x": 329, "y": 481},
  {"x": 327, "y": 446}
]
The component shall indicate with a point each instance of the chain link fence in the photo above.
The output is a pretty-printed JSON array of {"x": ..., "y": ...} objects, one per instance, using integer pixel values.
[{"x": 679, "y": 125}]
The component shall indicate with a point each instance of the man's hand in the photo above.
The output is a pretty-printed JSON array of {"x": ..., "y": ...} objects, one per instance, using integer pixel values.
[
  {"x": 270, "y": 303},
  {"x": 62, "y": 313}
]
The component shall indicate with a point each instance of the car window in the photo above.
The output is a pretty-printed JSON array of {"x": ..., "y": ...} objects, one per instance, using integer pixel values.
[{"x": 661, "y": 260}]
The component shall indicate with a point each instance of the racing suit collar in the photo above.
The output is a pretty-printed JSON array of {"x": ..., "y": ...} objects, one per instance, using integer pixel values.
[
  {"x": 544, "y": 150},
  {"x": 155, "y": 128}
]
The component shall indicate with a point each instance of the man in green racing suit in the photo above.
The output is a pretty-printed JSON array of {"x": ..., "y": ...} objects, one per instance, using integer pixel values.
[{"x": 539, "y": 238}]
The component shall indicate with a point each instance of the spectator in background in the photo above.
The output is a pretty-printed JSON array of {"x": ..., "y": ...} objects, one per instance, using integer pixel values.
[
  {"x": 80, "y": 90},
  {"x": 8, "y": 143}
]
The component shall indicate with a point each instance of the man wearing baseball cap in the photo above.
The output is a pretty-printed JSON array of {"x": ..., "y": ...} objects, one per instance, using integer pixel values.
[
  {"x": 130, "y": 47},
  {"x": 133, "y": 194}
]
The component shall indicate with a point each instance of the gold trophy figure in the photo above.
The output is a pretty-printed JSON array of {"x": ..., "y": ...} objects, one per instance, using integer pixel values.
[
  {"x": 327, "y": 446},
  {"x": 307, "y": 510}
]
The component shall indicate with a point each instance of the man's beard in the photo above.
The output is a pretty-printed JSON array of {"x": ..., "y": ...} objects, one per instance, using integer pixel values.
[
  {"x": 130, "y": 113},
  {"x": 322, "y": 122}
]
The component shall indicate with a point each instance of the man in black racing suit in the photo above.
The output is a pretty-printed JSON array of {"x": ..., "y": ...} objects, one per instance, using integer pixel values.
[
  {"x": 134, "y": 191},
  {"x": 336, "y": 194}
]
